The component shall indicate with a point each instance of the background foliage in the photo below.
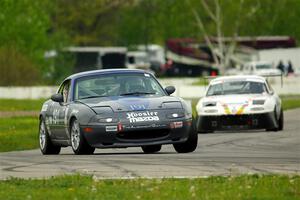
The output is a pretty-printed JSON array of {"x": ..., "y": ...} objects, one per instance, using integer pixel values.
[{"x": 31, "y": 27}]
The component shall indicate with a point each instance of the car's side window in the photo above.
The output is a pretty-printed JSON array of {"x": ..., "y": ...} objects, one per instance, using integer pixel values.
[{"x": 65, "y": 90}]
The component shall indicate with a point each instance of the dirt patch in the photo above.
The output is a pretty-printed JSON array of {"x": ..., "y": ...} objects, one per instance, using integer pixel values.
[{"x": 4, "y": 114}]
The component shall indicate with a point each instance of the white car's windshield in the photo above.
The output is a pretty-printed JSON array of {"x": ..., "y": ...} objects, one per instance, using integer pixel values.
[
  {"x": 116, "y": 85},
  {"x": 236, "y": 87}
]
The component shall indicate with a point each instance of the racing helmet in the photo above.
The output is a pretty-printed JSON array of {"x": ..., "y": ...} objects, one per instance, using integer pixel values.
[{"x": 135, "y": 84}]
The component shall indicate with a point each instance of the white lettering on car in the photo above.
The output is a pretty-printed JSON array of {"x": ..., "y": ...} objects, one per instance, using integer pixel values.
[
  {"x": 142, "y": 116},
  {"x": 55, "y": 116},
  {"x": 45, "y": 107},
  {"x": 137, "y": 107}
]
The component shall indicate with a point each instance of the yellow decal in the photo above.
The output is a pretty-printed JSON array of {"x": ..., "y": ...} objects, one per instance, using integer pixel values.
[
  {"x": 241, "y": 110},
  {"x": 226, "y": 109}
]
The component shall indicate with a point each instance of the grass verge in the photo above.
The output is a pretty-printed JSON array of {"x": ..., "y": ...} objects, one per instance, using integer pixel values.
[
  {"x": 290, "y": 102},
  {"x": 201, "y": 82},
  {"x": 21, "y": 105},
  {"x": 18, "y": 133},
  {"x": 85, "y": 187}
]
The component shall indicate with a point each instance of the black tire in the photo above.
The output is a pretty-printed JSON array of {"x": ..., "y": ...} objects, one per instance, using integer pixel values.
[
  {"x": 281, "y": 121},
  {"x": 205, "y": 132},
  {"x": 151, "y": 148},
  {"x": 46, "y": 146},
  {"x": 200, "y": 130},
  {"x": 78, "y": 142},
  {"x": 191, "y": 144}
]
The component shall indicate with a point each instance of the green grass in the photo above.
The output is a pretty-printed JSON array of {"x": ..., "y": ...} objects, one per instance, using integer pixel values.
[
  {"x": 85, "y": 187},
  {"x": 21, "y": 105},
  {"x": 18, "y": 133},
  {"x": 290, "y": 102},
  {"x": 201, "y": 82}
]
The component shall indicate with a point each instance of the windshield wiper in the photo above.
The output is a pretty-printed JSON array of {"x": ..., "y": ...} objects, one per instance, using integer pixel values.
[
  {"x": 136, "y": 93},
  {"x": 94, "y": 96}
]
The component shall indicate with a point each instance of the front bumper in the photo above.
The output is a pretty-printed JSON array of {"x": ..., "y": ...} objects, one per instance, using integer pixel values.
[
  {"x": 229, "y": 122},
  {"x": 106, "y": 136}
]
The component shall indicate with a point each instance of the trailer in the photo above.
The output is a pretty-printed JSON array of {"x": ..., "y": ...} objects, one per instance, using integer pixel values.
[
  {"x": 91, "y": 58},
  {"x": 186, "y": 56}
]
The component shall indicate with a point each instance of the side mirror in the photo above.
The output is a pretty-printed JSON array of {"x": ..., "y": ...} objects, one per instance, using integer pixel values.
[
  {"x": 170, "y": 89},
  {"x": 57, "y": 98}
]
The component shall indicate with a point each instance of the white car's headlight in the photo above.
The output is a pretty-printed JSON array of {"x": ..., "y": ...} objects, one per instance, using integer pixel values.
[
  {"x": 209, "y": 104},
  {"x": 258, "y": 102},
  {"x": 211, "y": 111}
]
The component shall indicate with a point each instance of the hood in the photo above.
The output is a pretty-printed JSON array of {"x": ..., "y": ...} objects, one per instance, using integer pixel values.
[{"x": 123, "y": 104}]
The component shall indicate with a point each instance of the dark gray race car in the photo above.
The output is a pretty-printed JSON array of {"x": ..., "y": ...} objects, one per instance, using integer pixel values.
[{"x": 115, "y": 108}]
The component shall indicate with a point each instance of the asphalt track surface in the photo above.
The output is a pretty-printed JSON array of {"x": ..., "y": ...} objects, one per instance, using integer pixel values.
[{"x": 226, "y": 153}]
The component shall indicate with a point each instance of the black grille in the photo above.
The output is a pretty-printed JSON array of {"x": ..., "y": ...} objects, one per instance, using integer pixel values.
[
  {"x": 235, "y": 120},
  {"x": 144, "y": 134}
]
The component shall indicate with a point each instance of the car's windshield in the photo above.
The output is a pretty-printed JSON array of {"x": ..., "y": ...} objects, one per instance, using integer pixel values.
[
  {"x": 116, "y": 85},
  {"x": 236, "y": 87}
]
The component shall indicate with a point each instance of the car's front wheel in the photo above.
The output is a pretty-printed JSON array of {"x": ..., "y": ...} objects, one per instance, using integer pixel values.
[
  {"x": 151, "y": 148},
  {"x": 280, "y": 121},
  {"x": 46, "y": 146},
  {"x": 190, "y": 145},
  {"x": 78, "y": 142}
]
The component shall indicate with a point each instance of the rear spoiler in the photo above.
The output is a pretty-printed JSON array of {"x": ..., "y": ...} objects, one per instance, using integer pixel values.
[
  {"x": 275, "y": 75},
  {"x": 205, "y": 78}
]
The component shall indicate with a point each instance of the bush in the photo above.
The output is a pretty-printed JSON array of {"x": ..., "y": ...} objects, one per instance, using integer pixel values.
[{"x": 16, "y": 68}]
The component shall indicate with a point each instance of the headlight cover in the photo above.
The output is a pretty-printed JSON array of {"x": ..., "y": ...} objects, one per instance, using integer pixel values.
[
  {"x": 209, "y": 104},
  {"x": 169, "y": 105},
  {"x": 258, "y": 102},
  {"x": 104, "y": 114},
  {"x": 103, "y": 110},
  {"x": 175, "y": 115}
]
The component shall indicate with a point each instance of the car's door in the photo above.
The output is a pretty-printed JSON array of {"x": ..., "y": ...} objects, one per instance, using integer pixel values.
[
  {"x": 59, "y": 111},
  {"x": 63, "y": 109}
]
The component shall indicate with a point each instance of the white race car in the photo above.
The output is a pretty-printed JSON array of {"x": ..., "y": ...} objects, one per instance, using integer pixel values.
[{"x": 239, "y": 102}]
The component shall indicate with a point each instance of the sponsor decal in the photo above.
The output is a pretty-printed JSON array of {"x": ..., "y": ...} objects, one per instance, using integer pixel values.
[
  {"x": 226, "y": 109},
  {"x": 142, "y": 116},
  {"x": 145, "y": 126},
  {"x": 234, "y": 110},
  {"x": 135, "y": 104},
  {"x": 55, "y": 115},
  {"x": 111, "y": 128},
  {"x": 138, "y": 107},
  {"x": 241, "y": 110},
  {"x": 45, "y": 107}
]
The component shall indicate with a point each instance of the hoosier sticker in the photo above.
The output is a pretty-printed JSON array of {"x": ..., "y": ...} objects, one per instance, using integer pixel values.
[{"x": 142, "y": 116}]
